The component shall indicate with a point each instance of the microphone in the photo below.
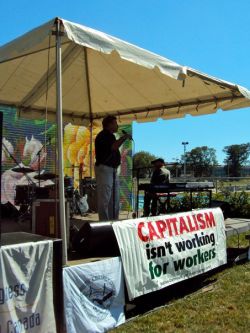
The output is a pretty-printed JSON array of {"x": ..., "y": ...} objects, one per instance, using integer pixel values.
[{"x": 125, "y": 133}]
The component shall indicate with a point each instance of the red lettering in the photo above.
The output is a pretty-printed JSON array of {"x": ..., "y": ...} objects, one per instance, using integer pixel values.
[
  {"x": 210, "y": 221},
  {"x": 169, "y": 228},
  {"x": 161, "y": 226},
  {"x": 191, "y": 226},
  {"x": 195, "y": 222},
  {"x": 152, "y": 231},
  {"x": 139, "y": 230},
  {"x": 202, "y": 223},
  {"x": 170, "y": 222},
  {"x": 183, "y": 226}
]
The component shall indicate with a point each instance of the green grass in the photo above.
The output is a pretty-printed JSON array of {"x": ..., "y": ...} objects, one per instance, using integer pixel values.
[
  {"x": 233, "y": 240},
  {"x": 223, "y": 305}
]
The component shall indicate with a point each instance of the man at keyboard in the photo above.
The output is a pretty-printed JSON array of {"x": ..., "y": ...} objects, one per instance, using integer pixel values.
[{"x": 160, "y": 176}]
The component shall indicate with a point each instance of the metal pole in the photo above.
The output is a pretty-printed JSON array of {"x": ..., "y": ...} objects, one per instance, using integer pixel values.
[
  {"x": 185, "y": 167},
  {"x": 60, "y": 140},
  {"x": 184, "y": 144},
  {"x": 1, "y": 140},
  {"x": 91, "y": 149}
]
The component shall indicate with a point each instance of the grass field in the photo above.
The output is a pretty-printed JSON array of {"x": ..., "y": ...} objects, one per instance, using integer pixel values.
[{"x": 221, "y": 305}]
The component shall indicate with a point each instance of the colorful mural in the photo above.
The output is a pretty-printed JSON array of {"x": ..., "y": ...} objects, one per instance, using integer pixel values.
[
  {"x": 32, "y": 143},
  {"x": 77, "y": 161}
]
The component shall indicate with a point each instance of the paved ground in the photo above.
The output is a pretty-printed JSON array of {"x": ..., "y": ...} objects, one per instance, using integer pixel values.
[{"x": 236, "y": 226}]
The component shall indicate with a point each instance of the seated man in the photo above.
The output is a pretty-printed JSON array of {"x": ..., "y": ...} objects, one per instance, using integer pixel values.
[{"x": 160, "y": 176}]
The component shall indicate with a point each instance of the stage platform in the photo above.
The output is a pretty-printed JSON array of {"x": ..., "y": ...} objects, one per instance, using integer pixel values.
[{"x": 234, "y": 226}]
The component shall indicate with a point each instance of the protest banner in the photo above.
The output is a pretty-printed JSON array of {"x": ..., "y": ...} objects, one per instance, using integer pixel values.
[
  {"x": 94, "y": 296},
  {"x": 159, "y": 251},
  {"x": 26, "y": 295}
]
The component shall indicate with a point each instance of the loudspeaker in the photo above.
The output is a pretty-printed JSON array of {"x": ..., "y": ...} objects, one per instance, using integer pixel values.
[
  {"x": 9, "y": 211},
  {"x": 95, "y": 240},
  {"x": 46, "y": 217}
]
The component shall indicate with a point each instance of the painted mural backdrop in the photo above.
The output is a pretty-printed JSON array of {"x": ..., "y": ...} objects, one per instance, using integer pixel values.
[
  {"x": 77, "y": 158},
  {"x": 32, "y": 143}
]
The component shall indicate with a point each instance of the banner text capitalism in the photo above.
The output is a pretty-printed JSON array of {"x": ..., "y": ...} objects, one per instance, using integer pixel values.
[{"x": 174, "y": 226}]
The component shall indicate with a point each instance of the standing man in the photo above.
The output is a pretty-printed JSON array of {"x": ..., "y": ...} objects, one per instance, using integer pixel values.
[
  {"x": 108, "y": 159},
  {"x": 160, "y": 176}
]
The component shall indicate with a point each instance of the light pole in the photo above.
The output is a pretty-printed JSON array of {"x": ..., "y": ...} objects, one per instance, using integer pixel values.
[
  {"x": 177, "y": 161},
  {"x": 184, "y": 143}
]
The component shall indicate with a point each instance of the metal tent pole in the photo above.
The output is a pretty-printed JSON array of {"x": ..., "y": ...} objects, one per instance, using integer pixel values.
[
  {"x": 90, "y": 111},
  {"x": 60, "y": 140},
  {"x": 91, "y": 149}
]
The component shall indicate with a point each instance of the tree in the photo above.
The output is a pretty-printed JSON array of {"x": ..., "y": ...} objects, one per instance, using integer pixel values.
[
  {"x": 142, "y": 162},
  {"x": 201, "y": 160},
  {"x": 236, "y": 157}
]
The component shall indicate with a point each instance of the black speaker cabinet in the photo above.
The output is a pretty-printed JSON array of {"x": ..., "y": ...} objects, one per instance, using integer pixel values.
[{"x": 95, "y": 240}]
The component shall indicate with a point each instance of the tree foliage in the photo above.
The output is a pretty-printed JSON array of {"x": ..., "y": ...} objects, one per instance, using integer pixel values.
[
  {"x": 201, "y": 161},
  {"x": 236, "y": 157},
  {"x": 142, "y": 162}
]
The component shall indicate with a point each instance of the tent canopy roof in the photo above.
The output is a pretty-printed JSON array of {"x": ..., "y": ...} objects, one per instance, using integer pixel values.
[{"x": 104, "y": 75}]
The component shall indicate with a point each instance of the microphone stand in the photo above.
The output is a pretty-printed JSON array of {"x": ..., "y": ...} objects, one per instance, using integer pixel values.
[
  {"x": 39, "y": 165},
  {"x": 39, "y": 160}
]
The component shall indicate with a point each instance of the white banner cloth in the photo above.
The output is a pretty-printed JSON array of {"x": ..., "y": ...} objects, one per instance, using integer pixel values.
[
  {"x": 26, "y": 296},
  {"x": 162, "y": 250},
  {"x": 94, "y": 296}
]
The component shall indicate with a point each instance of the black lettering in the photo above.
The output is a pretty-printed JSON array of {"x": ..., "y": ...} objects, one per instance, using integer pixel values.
[
  {"x": 153, "y": 253},
  {"x": 2, "y": 298},
  {"x": 194, "y": 242},
  {"x": 179, "y": 264},
  {"x": 200, "y": 256},
  {"x": 161, "y": 251},
  {"x": 168, "y": 246},
  {"x": 32, "y": 321},
  {"x": 148, "y": 251},
  {"x": 181, "y": 246},
  {"x": 207, "y": 239},
  {"x": 195, "y": 259},
  {"x": 212, "y": 239},
  {"x": 38, "y": 321},
  {"x": 189, "y": 262},
  {"x": 206, "y": 255},
  {"x": 189, "y": 244}
]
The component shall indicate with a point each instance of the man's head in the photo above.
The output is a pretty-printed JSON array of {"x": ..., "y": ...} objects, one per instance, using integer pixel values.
[
  {"x": 110, "y": 123},
  {"x": 158, "y": 163}
]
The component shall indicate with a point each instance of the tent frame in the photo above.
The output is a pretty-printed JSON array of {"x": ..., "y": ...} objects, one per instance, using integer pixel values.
[
  {"x": 62, "y": 215},
  {"x": 197, "y": 99}
]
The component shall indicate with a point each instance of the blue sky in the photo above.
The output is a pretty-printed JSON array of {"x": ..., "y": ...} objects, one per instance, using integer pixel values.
[{"x": 212, "y": 36}]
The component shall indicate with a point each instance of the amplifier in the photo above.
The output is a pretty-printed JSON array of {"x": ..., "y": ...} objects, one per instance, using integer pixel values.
[{"x": 46, "y": 218}]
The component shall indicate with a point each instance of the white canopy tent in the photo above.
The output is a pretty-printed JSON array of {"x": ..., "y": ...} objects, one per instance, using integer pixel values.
[{"x": 92, "y": 75}]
